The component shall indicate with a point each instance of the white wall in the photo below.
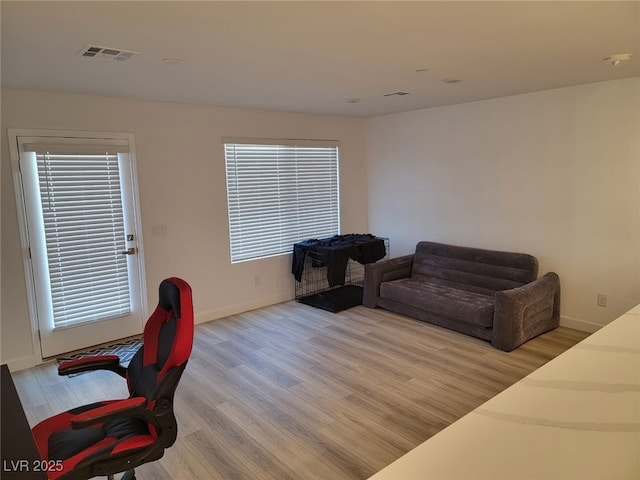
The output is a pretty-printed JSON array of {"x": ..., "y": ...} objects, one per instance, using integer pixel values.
[
  {"x": 182, "y": 184},
  {"x": 555, "y": 174}
]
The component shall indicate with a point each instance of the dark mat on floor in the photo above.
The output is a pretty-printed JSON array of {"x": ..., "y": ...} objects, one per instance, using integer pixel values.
[
  {"x": 335, "y": 300},
  {"x": 125, "y": 349}
]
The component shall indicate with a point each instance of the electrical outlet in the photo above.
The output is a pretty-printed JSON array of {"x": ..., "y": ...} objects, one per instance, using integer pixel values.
[
  {"x": 602, "y": 299},
  {"x": 257, "y": 280}
]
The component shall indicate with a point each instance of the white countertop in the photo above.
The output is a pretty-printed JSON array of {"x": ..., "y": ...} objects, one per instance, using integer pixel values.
[{"x": 576, "y": 417}]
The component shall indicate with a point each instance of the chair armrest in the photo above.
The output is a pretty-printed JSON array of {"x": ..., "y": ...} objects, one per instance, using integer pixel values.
[
  {"x": 525, "y": 312},
  {"x": 133, "y": 407},
  {"x": 86, "y": 364},
  {"x": 385, "y": 271}
]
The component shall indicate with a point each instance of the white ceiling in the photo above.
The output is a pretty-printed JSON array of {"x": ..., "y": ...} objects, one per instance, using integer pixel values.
[{"x": 315, "y": 56}]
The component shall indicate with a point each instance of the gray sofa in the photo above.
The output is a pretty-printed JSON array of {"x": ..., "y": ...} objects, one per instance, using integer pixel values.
[{"x": 489, "y": 294}]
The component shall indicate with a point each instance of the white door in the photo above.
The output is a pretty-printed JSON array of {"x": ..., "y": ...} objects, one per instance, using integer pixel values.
[{"x": 83, "y": 240}]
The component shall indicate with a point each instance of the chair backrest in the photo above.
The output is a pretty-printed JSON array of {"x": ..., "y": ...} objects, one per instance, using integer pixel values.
[{"x": 156, "y": 368}]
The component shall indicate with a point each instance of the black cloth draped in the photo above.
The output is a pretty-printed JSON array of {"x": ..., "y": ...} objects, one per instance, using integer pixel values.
[{"x": 335, "y": 252}]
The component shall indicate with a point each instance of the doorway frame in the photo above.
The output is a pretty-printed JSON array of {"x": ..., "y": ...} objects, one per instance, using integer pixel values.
[{"x": 13, "y": 134}]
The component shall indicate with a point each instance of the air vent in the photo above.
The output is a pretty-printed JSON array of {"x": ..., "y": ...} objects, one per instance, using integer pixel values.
[
  {"x": 106, "y": 53},
  {"x": 396, "y": 94}
]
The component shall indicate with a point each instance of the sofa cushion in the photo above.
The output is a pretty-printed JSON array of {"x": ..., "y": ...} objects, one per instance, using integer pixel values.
[
  {"x": 487, "y": 270},
  {"x": 463, "y": 305}
]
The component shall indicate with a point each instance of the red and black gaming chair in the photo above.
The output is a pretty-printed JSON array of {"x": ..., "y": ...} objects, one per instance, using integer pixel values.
[{"x": 114, "y": 436}]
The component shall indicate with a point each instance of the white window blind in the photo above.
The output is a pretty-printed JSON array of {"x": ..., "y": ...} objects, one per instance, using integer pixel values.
[
  {"x": 84, "y": 233},
  {"x": 280, "y": 194}
]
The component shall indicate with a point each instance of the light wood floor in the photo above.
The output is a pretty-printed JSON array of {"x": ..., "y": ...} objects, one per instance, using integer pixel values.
[{"x": 293, "y": 392}]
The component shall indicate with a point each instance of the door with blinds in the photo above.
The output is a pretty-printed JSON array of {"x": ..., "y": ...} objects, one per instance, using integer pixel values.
[{"x": 83, "y": 240}]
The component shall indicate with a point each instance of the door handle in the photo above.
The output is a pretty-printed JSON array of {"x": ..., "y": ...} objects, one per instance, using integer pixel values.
[{"x": 129, "y": 251}]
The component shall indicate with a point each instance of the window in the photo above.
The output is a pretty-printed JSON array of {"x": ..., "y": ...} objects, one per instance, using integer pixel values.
[
  {"x": 280, "y": 192},
  {"x": 84, "y": 233}
]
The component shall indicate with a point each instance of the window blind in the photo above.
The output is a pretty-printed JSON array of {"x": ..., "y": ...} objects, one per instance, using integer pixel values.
[
  {"x": 278, "y": 195},
  {"x": 84, "y": 233}
]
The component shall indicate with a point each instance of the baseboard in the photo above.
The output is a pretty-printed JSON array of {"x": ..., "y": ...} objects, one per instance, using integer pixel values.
[
  {"x": 33, "y": 361},
  {"x": 24, "y": 363},
  {"x": 579, "y": 324},
  {"x": 240, "y": 308}
]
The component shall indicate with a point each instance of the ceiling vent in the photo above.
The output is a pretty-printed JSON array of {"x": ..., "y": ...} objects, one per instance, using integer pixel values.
[
  {"x": 106, "y": 53},
  {"x": 396, "y": 94}
]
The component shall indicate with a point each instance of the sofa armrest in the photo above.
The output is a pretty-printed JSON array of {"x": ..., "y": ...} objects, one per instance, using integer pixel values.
[
  {"x": 387, "y": 270},
  {"x": 525, "y": 312}
]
